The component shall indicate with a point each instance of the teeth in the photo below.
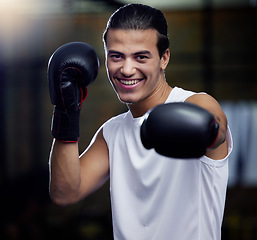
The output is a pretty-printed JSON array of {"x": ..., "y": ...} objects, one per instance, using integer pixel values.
[{"x": 129, "y": 82}]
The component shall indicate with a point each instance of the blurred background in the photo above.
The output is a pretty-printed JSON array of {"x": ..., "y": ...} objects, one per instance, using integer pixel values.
[{"x": 213, "y": 49}]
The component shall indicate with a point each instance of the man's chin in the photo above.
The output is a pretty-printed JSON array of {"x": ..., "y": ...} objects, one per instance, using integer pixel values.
[{"x": 125, "y": 101}]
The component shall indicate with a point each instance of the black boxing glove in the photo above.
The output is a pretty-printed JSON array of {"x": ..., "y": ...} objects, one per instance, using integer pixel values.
[
  {"x": 71, "y": 68},
  {"x": 179, "y": 130}
]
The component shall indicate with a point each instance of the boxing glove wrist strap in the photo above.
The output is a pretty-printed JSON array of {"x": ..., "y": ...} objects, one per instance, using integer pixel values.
[
  {"x": 213, "y": 134},
  {"x": 65, "y": 125}
]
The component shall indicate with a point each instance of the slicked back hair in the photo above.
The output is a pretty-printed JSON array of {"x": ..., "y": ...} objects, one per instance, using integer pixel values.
[{"x": 140, "y": 17}]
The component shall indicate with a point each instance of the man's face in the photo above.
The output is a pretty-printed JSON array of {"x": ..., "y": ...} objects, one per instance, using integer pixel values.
[{"x": 133, "y": 63}]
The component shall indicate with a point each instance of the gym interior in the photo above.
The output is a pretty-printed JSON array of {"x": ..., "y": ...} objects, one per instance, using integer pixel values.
[{"x": 213, "y": 49}]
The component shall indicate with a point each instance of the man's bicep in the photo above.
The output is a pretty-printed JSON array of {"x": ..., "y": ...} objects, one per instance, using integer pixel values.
[
  {"x": 210, "y": 104},
  {"x": 94, "y": 163}
]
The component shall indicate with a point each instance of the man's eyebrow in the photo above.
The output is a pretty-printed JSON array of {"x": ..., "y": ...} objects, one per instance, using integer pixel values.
[
  {"x": 136, "y": 53},
  {"x": 143, "y": 52},
  {"x": 115, "y": 52}
]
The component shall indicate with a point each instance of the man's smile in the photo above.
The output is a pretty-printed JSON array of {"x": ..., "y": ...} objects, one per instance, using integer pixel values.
[{"x": 128, "y": 82}]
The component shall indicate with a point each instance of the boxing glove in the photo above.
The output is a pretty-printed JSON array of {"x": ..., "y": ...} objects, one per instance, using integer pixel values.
[
  {"x": 71, "y": 68},
  {"x": 179, "y": 130}
]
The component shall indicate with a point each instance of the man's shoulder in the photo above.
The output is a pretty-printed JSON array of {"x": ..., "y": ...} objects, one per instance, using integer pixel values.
[
  {"x": 111, "y": 127},
  {"x": 116, "y": 119},
  {"x": 179, "y": 95}
]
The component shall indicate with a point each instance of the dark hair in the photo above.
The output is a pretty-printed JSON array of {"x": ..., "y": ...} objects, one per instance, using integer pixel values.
[{"x": 140, "y": 17}]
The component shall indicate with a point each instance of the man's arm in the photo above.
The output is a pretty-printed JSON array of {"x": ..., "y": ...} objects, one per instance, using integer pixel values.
[
  {"x": 186, "y": 130},
  {"x": 71, "y": 69},
  {"x": 219, "y": 148},
  {"x": 72, "y": 177}
]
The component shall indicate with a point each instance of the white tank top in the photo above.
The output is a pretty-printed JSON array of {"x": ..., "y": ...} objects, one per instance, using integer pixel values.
[{"x": 158, "y": 198}]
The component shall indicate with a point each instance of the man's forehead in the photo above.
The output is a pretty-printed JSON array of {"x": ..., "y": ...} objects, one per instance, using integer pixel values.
[
  {"x": 138, "y": 39},
  {"x": 131, "y": 33}
]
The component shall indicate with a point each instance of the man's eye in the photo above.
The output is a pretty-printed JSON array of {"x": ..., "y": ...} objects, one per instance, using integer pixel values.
[
  {"x": 142, "y": 57},
  {"x": 115, "y": 56}
]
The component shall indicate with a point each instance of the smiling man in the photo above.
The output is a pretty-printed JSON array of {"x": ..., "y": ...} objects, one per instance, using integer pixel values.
[
  {"x": 135, "y": 68},
  {"x": 167, "y": 157}
]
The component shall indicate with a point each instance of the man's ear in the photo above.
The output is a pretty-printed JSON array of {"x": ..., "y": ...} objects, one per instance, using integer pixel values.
[{"x": 165, "y": 59}]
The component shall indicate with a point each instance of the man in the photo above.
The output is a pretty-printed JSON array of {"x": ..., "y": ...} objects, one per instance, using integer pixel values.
[{"x": 155, "y": 193}]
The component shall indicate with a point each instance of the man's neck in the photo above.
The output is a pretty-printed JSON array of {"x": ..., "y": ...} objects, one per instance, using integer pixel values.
[{"x": 158, "y": 97}]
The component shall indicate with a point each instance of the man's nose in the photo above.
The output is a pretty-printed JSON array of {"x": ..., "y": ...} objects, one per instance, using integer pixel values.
[{"x": 128, "y": 68}]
